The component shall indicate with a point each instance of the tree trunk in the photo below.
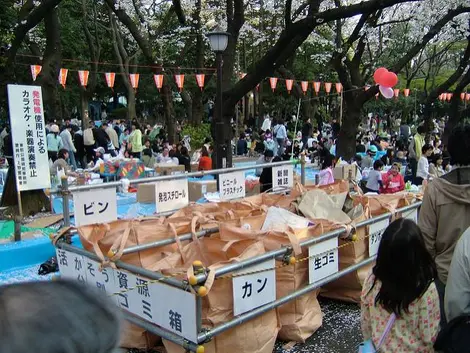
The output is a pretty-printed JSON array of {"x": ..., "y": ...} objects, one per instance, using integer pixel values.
[
  {"x": 51, "y": 65},
  {"x": 168, "y": 113},
  {"x": 32, "y": 201},
  {"x": 197, "y": 108},
  {"x": 131, "y": 113},
  {"x": 346, "y": 144},
  {"x": 84, "y": 108}
]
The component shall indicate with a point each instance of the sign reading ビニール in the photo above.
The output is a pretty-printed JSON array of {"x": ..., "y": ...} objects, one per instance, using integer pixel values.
[{"x": 28, "y": 137}]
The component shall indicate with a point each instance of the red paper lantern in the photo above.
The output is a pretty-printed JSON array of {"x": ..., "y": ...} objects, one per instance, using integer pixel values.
[
  {"x": 462, "y": 96},
  {"x": 316, "y": 87},
  {"x": 328, "y": 87},
  {"x": 83, "y": 76},
  {"x": 200, "y": 80},
  {"x": 339, "y": 87},
  {"x": 273, "y": 82},
  {"x": 179, "y": 79},
  {"x": 406, "y": 92},
  {"x": 35, "y": 70},
  {"x": 134, "y": 78},
  {"x": 110, "y": 76},
  {"x": 396, "y": 92},
  {"x": 63, "y": 76},
  {"x": 289, "y": 84},
  {"x": 467, "y": 96},
  {"x": 449, "y": 96},
  {"x": 158, "y": 81},
  {"x": 304, "y": 85}
]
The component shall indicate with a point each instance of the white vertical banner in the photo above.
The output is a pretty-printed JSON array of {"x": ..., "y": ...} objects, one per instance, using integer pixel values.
[
  {"x": 95, "y": 206},
  {"x": 375, "y": 235},
  {"x": 102, "y": 279},
  {"x": 283, "y": 177},
  {"x": 232, "y": 185},
  {"x": 171, "y": 195},
  {"x": 323, "y": 260},
  {"x": 28, "y": 137},
  {"x": 253, "y": 290}
]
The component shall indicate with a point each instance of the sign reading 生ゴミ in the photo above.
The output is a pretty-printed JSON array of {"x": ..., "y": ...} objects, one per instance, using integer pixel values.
[{"x": 28, "y": 137}]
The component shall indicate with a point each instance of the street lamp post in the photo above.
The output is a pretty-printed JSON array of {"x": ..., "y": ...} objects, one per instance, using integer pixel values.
[{"x": 218, "y": 41}]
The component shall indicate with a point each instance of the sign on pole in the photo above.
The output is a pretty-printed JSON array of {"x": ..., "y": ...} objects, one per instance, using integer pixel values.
[
  {"x": 256, "y": 289},
  {"x": 232, "y": 185},
  {"x": 323, "y": 260},
  {"x": 28, "y": 137},
  {"x": 375, "y": 235},
  {"x": 95, "y": 206},
  {"x": 283, "y": 177},
  {"x": 71, "y": 266},
  {"x": 171, "y": 195}
]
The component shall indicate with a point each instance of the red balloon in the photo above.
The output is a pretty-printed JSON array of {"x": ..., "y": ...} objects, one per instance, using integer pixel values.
[
  {"x": 389, "y": 79},
  {"x": 379, "y": 73}
]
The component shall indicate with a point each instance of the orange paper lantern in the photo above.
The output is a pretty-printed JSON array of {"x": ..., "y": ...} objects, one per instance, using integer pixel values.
[
  {"x": 83, "y": 77},
  {"x": 63, "y": 76},
  {"x": 158, "y": 79},
  {"x": 304, "y": 85},
  {"x": 134, "y": 78},
  {"x": 289, "y": 84},
  {"x": 273, "y": 82},
  {"x": 179, "y": 79},
  {"x": 328, "y": 87},
  {"x": 316, "y": 87},
  {"x": 200, "y": 80},
  {"x": 406, "y": 92},
  {"x": 339, "y": 87},
  {"x": 110, "y": 76},
  {"x": 35, "y": 70}
]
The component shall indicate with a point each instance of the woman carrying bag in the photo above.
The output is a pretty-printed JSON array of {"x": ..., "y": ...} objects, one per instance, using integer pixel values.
[{"x": 399, "y": 302}]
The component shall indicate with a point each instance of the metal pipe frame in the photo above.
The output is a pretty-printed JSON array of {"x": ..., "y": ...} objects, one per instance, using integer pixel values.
[
  {"x": 205, "y": 336},
  {"x": 178, "y": 176},
  {"x": 158, "y": 276},
  {"x": 156, "y": 330}
]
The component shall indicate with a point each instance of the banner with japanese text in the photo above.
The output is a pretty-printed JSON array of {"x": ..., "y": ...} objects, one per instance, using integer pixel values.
[{"x": 28, "y": 137}]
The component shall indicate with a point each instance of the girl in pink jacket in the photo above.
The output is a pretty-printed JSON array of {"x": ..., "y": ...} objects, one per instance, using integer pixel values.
[{"x": 393, "y": 181}]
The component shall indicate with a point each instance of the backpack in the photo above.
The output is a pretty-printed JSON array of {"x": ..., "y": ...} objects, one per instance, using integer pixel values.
[{"x": 455, "y": 336}]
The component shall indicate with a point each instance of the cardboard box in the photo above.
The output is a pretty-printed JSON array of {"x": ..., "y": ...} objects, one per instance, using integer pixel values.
[
  {"x": 197, "y": 189},
  {"x": 194, "y": 167},
  {"x": 342, "y": 172},
  {"x": 146, "y": 193},
  {"x": 170, "y": 169}
]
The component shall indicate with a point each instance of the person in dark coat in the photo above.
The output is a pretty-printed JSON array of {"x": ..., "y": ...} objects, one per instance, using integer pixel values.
[{"x": 266, "y": 177}]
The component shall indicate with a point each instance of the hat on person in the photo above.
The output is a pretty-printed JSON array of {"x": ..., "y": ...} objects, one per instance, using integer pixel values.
[
  {"x": 372, "y": 150},
  {"x": 269, "y": 153},
  {"x": 100, "y": 150},
  {"x": 55, "y": 128}
]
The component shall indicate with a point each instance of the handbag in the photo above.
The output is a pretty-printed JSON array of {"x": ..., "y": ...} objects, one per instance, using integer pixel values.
[
  {"x": 454, "y": 337},
  {"x": 369, "y": 347}
]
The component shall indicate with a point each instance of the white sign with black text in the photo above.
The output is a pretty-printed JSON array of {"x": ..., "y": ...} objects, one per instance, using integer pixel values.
[
  {"x": 102, "y": 279},
  {"x": 95, "y": 206},
  {"x": 171, "y": 195},
  {"x": 251, "y": 291},
  {"x": 375, "y": 235},
  {"x": 232, "y": 185},
  {"x": 323, "y": 260},
  {"x": 175, "y": 310},
  {"x": 29, "y": 139},
  {"x": 71, "y": 266},
  {"x": 283, "y": 177}
]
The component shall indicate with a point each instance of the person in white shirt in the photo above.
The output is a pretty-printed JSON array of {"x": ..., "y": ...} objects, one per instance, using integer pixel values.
[
  {"x": 422, "y": 172},
  {"x": 266, "y": 123},
  {"x": 281, "y": 137}
]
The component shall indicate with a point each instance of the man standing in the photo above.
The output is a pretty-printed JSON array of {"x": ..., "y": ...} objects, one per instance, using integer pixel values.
[
  {"x": 306, "y": 133},
  {"x": 89, "y": 142},
  {"x": 414, "y": 149},
  {"x": 112, "y": 135},
  {"x": 67, "y": 142},
  {"x": 335, "y": 128}
]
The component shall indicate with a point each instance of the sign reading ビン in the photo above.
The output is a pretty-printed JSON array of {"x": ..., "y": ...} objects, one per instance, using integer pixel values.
[
  {"x": 28, "y": 137},
  {"x": 95, "y": 206}
]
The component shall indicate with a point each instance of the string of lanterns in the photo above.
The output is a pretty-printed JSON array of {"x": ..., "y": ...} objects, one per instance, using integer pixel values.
[{"x": 200, "y": 81}]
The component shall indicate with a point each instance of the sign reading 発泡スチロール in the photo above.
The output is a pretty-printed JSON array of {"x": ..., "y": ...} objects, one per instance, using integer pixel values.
[
  {"x": 171, "y": 195},
  {"x": 375, "y": 235},
  {"x": 95, "y": 206},
  {"x": 232, "y": 185},
  {"x": 28, "y": 137},
  {"x": 283, "y": 177}
]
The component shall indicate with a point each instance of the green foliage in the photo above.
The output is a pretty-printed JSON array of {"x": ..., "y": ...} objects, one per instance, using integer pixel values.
[
  {"x": 119, "y": 113},
  {"x": 198, "y": 134}
]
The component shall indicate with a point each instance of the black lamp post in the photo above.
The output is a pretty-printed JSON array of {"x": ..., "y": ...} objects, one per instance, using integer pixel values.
[{"x": 218, "y": 41}]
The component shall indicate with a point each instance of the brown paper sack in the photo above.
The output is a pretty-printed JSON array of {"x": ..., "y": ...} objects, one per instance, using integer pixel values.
[
  {"x": 121, "y": 234},
  {"x": 257, "y": 335},
  {"x": 301, "y": 317}
]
